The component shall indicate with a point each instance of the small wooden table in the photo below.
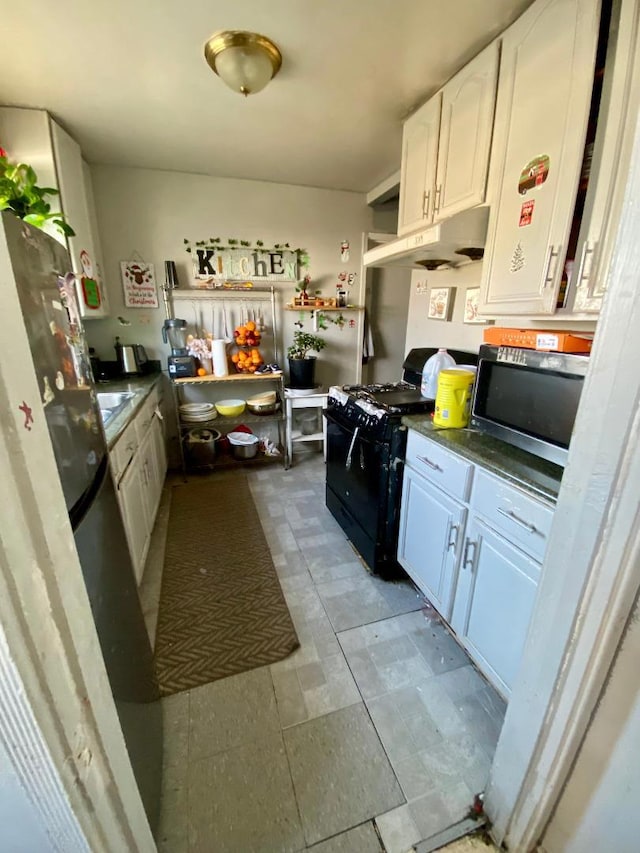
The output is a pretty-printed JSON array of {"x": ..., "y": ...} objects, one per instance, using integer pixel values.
[{"x": 315, "y": 400}]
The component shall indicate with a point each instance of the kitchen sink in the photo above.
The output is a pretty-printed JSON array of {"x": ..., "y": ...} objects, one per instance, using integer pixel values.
[
  {"x": 113, "y": 399},
  {"x": 110, "y": 403}
]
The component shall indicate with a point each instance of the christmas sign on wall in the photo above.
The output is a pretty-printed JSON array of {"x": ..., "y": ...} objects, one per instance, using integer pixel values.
[{"x": 139, "y": 284}]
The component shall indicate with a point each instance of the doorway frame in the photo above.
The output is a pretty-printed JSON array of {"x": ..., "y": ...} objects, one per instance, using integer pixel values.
[
  {"x": 58, "y": 720},
  {"x": 591, "y": 573}
]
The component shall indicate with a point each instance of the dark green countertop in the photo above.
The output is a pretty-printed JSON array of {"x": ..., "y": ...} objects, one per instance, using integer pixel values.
[
  {"x": 141, "y": 387},
  {"x": 536, "y": 475}
]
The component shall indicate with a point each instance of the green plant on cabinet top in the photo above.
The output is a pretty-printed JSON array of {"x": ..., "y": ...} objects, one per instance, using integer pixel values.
[{"x": 20, "y": 193}]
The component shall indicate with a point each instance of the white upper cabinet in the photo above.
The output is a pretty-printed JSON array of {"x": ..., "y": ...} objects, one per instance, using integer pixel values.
[
  {"x": 33, "y": 137},
  {"x": 419, "y": 162},
  {"x": 611, "y": 154},
  {"x": 446, "y": 146},
  {"x": 76, "y": 197},
  {"x": 468, "y": 102},
  {"x": 546, "y": 79}
]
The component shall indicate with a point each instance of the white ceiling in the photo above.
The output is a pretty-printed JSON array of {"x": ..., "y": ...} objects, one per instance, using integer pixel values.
[{"x": 128, "y": 79}]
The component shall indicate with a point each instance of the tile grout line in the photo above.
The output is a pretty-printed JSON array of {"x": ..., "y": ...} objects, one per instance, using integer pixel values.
[
  {"x": 366, "y": 707},
  {"x": 362, "y": 699},
  {"x": 286, "y": 753}
]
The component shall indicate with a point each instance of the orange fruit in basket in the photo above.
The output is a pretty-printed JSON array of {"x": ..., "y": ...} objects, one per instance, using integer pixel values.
[
  {"x": 235, "y": 358},
  {"x": 251, "y": 326}
]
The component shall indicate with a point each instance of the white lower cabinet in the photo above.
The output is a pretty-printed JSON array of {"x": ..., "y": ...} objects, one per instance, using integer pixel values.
[
  {"x": 474, "y": 546},
  {"x": 139, "y": 488},
  {"x": 428, "y": 515},
  {"x": 159, "y": 464},
  {"x": 132, "y": 493},
  {"x": 494, "y": 600}
]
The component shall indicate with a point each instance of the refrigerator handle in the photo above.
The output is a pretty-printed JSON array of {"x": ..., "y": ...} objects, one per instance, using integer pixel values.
[{"x": 83, "y": 504}]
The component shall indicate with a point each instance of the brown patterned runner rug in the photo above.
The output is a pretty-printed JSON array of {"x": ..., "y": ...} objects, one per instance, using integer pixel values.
[{"x": 222, "y": 610}]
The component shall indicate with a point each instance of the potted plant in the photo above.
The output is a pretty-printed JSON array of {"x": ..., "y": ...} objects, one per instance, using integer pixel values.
[
  {"x": 20, "y": 194},
  {"x": 302, "y": 289},
  {"x": 302, "y": 365}
]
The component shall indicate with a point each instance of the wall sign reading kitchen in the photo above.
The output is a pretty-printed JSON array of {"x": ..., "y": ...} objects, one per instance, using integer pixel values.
[{"x": 239, "y": 260}]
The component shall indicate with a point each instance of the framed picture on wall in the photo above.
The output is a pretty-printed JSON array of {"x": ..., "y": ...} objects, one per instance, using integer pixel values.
[
  {"x": 440, "y": 303},
  {"x": 138, "y": 284},
  {"x": 471, "y": 301}
]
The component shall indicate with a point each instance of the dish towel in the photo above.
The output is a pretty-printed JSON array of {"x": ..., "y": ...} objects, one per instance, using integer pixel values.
[{"x": 367, "y": 340}]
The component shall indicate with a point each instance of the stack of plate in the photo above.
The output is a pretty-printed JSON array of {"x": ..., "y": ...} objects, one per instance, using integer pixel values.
[{"x": 197, "y": 413}]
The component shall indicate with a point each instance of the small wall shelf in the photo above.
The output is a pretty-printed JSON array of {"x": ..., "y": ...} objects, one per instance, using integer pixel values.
[
  {"x": 232, "y": 377},
  {"x": 323, "y": 309}
]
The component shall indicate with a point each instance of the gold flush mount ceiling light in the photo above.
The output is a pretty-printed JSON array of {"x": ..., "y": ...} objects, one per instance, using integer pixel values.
[{"x": 244, "y": 61}]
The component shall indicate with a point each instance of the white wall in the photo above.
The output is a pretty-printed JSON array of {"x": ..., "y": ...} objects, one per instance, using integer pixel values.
[
  {"x": 388, "y": 292},
  {"x": 387, "y": 301},
  {"x": 598, "y": 809},
  {"x": 151, "y": 212},
  {"x": 422, "y": 332}
]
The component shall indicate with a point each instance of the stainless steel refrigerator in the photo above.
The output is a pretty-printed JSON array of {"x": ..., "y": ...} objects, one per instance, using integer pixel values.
[{"x": 46, "y": 290}]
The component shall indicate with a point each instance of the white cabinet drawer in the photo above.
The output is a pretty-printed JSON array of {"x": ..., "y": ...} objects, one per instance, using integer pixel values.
[
  {"x": 524, "y": 520},
  {"x": 122, "y": 452},
  {"x": 448, "y": 471}
]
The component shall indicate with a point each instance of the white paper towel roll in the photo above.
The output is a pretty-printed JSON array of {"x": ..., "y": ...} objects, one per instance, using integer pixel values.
[{"x": 219, "y": 352}]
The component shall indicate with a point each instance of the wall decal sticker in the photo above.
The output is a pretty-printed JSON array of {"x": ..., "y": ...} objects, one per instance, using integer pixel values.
[{"x": 28, "y": 415}]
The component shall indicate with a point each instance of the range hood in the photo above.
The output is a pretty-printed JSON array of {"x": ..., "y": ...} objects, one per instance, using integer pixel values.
[{"x": 445, "y": 244}]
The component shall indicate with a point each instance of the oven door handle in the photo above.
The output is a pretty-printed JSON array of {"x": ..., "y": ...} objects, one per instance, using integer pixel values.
[{"x": 347, "y": 464}]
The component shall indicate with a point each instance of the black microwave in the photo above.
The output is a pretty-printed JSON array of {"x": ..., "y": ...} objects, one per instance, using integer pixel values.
[{"x": 529, "y": 398}]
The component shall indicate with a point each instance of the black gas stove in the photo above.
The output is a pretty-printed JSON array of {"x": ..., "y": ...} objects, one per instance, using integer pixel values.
[
  {"x": 377, "y": 408},
  {"x": 366, "y": 443}
]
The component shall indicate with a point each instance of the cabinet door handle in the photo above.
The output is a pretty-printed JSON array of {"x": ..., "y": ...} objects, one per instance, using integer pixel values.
[
  {"x": 549, "y": 275},
  {"x": 452, "y": 543},
  {"x": 426, "y": 198},
  {"x": 431, "y": 464},
  {"x": 586, "y": 251},
  {"x": 436, "y": 201},
  {"x": 509, "y": 513},
  {"x": 466, "y": 560}
]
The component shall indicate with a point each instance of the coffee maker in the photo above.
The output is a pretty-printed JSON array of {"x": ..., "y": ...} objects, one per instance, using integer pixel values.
[{"x": 174, "y": 331}]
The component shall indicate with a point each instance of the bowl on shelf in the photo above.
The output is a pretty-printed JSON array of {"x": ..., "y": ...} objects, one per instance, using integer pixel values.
[
  {"x": 230, "y": 408},
  {"x": 263, "y": 404},
  {"x": 263, "y": 408}
]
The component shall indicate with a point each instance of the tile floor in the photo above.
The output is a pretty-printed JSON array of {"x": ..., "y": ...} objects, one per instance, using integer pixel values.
[{"x": 372, "y": 736}]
